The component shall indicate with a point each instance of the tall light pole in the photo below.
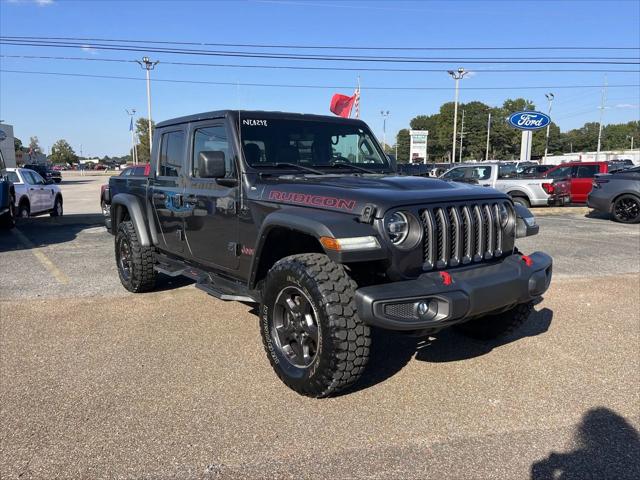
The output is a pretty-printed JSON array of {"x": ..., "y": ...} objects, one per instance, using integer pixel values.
[
  {"x": 630, "y": 136},
  {"x": 457, "y": 76},
  {"x": 385, "y": 114},
  {"x": 486, "y": 156},
  {"x": 461, "y": 135},
  {"x": 550, "y": 97},
  {"x": 132, "y": 114},
  {"x": 603, "y": 100},
  {"x": 148, "y": 65}
]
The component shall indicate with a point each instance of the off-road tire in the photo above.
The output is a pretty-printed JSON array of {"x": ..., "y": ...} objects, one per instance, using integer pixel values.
[
  {"x": 8, "y": 219},
  {"x": 343, "y": 348},
  {"x": 57, "y": 207},
  {"x": 495, "y": 326},
  {"x": 141, "y": 276}
]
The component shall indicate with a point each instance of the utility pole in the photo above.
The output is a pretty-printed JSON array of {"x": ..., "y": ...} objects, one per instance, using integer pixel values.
[
  {"x": 132, "y": 114},
  {"x": 461, "y": 135},
  {"x": 550, "y": 97},
  {"x": 397, "y": 150},
  {"x": 457, "y": 76},
  {"x": 384, "y": 114},
  {"x": 486, "y": 156},
  {"x": 148, "y": 65},
  {"x": 630, "y": 136},
  {"x": 602, "y": 102}
]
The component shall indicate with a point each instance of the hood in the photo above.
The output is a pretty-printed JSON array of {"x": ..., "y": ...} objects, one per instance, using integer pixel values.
[{"x": 351, "y": 193}]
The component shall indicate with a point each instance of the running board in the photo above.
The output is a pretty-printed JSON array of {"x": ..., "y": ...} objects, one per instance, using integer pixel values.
[{"x": 215, "y": 285}]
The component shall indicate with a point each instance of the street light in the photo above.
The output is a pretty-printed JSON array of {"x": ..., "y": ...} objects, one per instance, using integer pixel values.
[
  {"x": 148, "y": 65},
  {"x": 384, "y": 114},
  {"x": 457, "y": 76},
  {"x": 550, "y": 97}
]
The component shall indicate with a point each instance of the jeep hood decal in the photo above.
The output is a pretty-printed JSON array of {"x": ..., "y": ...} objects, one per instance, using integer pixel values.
[{"x": 350, "y": 194}]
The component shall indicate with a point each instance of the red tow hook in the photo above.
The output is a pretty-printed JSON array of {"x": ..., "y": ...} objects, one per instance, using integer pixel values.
[
  {"x": 446, "y": 278},
  {"x": 527, "y": 260}
]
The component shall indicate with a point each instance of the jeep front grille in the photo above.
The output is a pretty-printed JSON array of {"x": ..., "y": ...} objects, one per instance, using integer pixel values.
[{"x": 460, "y": 234}]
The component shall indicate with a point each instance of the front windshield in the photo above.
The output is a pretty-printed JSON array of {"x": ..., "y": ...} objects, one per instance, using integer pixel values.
[{"x": 312, "y": 144}]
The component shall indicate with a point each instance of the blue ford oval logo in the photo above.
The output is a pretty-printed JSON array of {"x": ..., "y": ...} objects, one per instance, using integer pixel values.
[{"x": 529, "y": 120}]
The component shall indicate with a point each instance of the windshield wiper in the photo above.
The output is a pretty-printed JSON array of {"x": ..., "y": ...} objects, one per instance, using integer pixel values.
[
  {"x": 355, "y": 167},
  {"x": 292, "y": 165}
]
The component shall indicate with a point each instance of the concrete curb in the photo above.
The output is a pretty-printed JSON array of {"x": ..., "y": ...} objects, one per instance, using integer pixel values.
[{"x": 542, "y": 211}]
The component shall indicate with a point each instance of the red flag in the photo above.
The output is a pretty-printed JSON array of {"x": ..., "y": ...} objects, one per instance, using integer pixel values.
[{"x": 341, "y": 105}]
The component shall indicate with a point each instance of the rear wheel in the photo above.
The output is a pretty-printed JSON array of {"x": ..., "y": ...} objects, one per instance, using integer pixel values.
[
  {"x": 134, "y": 262},
  {"x": 313, "y": 337},
  {"x": 626, "y": 209},
  {"x": 524, "y": 201},
  {"x": 494, "y": 326},
  {"x": 57, "y": 207}
]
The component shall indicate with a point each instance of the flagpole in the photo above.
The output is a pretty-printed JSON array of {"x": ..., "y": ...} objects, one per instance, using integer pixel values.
[{"x": 358, "y": 100}]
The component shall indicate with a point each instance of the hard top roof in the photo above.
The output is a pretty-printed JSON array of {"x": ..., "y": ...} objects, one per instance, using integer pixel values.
[{"x": 257, "y": 114}]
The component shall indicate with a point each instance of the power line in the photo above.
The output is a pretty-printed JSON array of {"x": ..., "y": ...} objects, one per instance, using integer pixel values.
[
  {"x": 351, "y": 69},
  {"x": 337, "y": 58},
  {"x": 277, "y": 85},
  {"x": 320, "y": 47}
]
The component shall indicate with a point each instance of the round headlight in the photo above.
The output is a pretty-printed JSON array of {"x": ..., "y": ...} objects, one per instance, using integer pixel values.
[
  {"x": 397, "y": 227},
  {"x": 503, "y": 215}
]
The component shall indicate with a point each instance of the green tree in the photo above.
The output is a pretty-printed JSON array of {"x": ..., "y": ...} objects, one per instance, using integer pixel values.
[
  {"x": 61, "y": 152},
  {"x": 142, "y": 132},
  {"x": 17, "y": 145},
  {"x": 34, "y": 146},
  {"x": 402, "y": 139}
]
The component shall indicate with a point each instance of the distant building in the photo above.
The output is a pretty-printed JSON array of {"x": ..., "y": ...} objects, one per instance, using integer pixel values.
[
  {"x": 6, "y": 145},
  {"x": 605, "y": 156}
]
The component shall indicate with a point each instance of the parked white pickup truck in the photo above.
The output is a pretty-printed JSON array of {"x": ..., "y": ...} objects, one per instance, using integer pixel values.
[{"x": 529, "y": 192}]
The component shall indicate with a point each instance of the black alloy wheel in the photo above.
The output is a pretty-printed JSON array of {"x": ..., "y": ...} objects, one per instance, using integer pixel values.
[
  {"x": 125, "y": 259},
  {"x": 626, "y": 209},
  {"x": 295, "y": 327}
]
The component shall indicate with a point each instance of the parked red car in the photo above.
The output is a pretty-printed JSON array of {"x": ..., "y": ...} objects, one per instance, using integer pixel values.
[{"x": 573, "y": 180}]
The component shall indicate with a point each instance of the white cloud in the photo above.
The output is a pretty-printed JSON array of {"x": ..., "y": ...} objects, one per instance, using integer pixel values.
[{"x": 627, "y": 105}]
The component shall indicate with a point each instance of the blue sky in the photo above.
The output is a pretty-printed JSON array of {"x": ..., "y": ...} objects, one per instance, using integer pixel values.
[{"x": 90, "y": 111}]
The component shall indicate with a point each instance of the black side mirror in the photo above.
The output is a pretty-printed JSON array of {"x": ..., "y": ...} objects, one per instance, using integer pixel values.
[{"x": 211, "y": 164}]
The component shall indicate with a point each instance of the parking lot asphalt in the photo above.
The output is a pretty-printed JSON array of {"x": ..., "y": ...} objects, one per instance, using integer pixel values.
[{"x": 99, "y": 383}]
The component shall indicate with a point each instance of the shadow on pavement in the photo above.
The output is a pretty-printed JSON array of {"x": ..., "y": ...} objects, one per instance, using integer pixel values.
[
  {"x": 42, "y": 231},
  {"x": 609, "y": 448},
  {"x": 598, "y": 215},
  {"x": 391, "y": 351}
]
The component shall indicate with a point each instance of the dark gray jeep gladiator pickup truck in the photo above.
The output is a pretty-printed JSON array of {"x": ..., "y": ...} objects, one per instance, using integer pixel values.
[{"x": 305, "y": 216}]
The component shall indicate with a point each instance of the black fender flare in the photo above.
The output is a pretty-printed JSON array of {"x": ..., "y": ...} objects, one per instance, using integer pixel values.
[
  {"x": 317, "y": 224},
  {"x": 137, "y": 213}
]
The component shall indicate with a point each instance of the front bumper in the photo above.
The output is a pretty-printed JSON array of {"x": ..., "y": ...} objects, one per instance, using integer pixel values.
[{"x": 427, "y": 302}]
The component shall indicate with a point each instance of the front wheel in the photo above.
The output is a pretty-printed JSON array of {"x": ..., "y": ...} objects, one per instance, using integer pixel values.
[
  {"x": 134, "y": 262},
  {"x": 23, "y": 210},
  {"x": 498, "y": 325},
  {"x": 313, "y": 337},
  {"x": 626, "y": 209}
]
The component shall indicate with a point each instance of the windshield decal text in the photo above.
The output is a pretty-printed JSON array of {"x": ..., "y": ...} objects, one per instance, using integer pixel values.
[
  {"x": 313, "y": 200},
  {"x": 254, "y": 123}
]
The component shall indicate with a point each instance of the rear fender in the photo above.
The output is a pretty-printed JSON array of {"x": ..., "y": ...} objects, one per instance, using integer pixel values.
[{"x": 126, "y": 203}]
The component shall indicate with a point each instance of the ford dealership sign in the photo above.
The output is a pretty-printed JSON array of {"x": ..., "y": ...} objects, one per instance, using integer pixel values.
[{"x": 529, "y": 120}]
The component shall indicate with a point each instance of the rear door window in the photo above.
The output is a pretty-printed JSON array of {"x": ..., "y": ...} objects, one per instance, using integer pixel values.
[
  {"x": 585, "y": 171},
  {"x": 171, "y": 154},
  {"x": 561, "y": 172}
]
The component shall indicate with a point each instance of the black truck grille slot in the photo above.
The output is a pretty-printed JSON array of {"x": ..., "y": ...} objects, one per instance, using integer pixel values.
[{"x": 461, "y": 234}]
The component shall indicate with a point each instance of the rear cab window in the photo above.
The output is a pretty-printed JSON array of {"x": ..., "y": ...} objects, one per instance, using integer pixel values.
[{"x": 585, "y": 171}]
